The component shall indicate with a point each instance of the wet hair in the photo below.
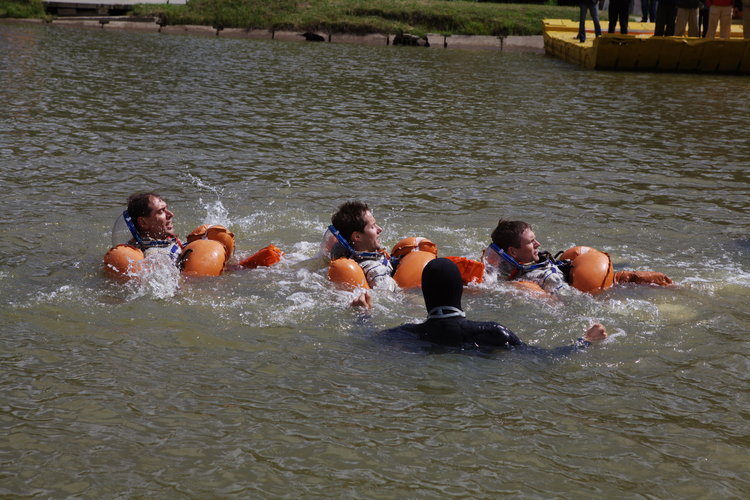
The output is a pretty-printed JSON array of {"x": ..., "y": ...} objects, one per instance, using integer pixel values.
[
  {"x": 508, "y": 233},
  {"x": 350, "y": 217},
  {"x": 441, "y": 284},
  {"x": 139, "y": 205}
]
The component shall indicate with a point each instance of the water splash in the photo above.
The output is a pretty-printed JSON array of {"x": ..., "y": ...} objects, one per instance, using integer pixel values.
[
  {"x": 201, "y": 184},
  {"x": 159, "y": 278},
  {"x": 216, "y": 212}
]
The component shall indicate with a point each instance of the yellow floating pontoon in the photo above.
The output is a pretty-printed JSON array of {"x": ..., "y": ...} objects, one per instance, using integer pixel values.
[{"x": 641, "y": 51}]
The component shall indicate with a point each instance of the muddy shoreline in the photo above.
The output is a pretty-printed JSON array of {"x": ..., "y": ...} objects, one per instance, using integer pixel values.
[{"x": 507, "y": 44}]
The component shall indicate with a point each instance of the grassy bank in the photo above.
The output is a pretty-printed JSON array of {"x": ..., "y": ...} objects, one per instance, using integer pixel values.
[
  {"x": 344, "y": 16},
  {"x": 364, "y": 16},
  {"x": 23, "y": 9}
]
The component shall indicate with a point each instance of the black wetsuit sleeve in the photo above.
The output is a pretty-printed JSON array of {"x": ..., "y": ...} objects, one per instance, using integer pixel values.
[
  {"x": 511, "y": 338},
  {"x": 577, "y": 346},
  {"x": 490, "y": 334},
  {"x": 495, "y": 334}
]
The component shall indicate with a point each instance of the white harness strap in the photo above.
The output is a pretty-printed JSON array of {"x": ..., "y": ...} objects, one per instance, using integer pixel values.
[{"x": 442, "y": 312}]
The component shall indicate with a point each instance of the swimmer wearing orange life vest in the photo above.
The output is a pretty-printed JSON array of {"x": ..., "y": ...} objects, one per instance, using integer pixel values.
[
  {"x": 357, "y": 237},
  {"x": 145, "y": 230},
  {"x": 149, "y": 226},
  {"x": 514, "y": 255}
]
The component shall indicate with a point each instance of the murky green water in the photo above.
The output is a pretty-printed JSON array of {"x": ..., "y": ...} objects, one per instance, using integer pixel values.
[{"x": 263, "y": 383}]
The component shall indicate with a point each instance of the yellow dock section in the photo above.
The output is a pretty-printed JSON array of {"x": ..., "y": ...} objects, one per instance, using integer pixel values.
[{"x": 641, "y": 51}]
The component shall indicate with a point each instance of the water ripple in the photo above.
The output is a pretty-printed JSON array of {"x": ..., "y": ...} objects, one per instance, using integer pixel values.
[{"x": 263, "y": 382}]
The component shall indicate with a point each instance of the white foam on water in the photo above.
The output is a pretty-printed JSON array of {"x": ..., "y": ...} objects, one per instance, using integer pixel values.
[
  {"x": 612, "y": 336},
  {"x": 159, "y": 278},
  {"x": 250, "y": 222},
  {"x": 216, "y": 213}
]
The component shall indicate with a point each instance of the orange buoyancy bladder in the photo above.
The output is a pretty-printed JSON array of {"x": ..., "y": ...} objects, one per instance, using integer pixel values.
[
  {"x": 590, "y": 269},
  {"x": 347, "y": 273},
  {"x": 409, "y": 271},
  {"x": 472, "y": 271},
  {"x": 265, "y": 257},
  {"x": 216, "y": 233},
  {"x": 203, "y": 258},
  {"x": 412, "y": 244},
  {"x": 123, "y": 261},
  {"x": 573, "y": 252}
]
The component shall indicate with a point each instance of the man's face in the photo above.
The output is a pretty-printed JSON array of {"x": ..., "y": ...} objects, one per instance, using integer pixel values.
[
  {"x": 368, "y": 240},
  {"x": 158, "y": 225},
  {"x": 528, "y": 251}
]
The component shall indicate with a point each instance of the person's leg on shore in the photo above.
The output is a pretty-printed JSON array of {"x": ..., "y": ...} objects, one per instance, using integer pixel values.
[
  {"x": 703, "y": 21},
  {"x": 612, "y": 14},
  {"x": 713, "y": 22},
  {"x": 594, "y": 9},
  {"x": 582, "y": 22},
  {"x": 693, "y": 28},
  {"x": 660, "y": 21},
  {"x": 725, "y": 19},
  {"x": 623, "y": 15},
  {"x": 671, "y": 13},
  {"x": 681, "y": 22}
]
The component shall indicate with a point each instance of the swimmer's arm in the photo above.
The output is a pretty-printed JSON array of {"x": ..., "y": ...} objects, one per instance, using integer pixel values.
[
  {"x": 642, "y": 278},
  {"x": 378, "y": 275},
  {"x": 501, "y": 335},
  {"x": 363, "y": 300},
  {"x": 595, "y": 333},
  {"x": 512, "y": 337}
]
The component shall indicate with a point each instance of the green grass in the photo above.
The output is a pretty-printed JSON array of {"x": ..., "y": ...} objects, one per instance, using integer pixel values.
[
  {"x": 365, "y": 16},
  {"x": 344, "y": 16},
  {"x": 22, "y": 9}
]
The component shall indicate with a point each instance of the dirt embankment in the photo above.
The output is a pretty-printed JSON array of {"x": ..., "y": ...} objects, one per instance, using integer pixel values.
[{"x": 508, "y": 43}]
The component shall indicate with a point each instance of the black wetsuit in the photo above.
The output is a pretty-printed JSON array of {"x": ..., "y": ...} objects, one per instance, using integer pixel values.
[
  {"x": 442, "y": 288},
  {"x": 467, "y": 334},
  {"x": 461, "y": 332}
]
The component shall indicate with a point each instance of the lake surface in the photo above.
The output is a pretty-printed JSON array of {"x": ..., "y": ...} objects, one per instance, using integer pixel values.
[{"x": 263, "y": 383}]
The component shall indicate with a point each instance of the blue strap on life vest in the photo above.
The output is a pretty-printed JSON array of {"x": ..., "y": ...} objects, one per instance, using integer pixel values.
[
  {"x": 516, "y": 265},
  {"x": 131, "y": 226},
  {"x": 361, "y": 255},
  {"x": 174, "y": 246}
]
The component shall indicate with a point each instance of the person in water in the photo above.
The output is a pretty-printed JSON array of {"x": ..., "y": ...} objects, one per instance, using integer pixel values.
[
  {"x": 446, "y": 323},
  {"x": 360, "y": 241},
  {"x": 150, "y": 222},
  {"x": 519, "y": 258}
]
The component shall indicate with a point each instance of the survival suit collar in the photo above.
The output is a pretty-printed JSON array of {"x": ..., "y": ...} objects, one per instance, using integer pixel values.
[
  {"x": 173, "y": 240},
  {"x": 344, "y": 243},
  {"x": 443, "y": 312},
  {"x": 513, "y": 262}
]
